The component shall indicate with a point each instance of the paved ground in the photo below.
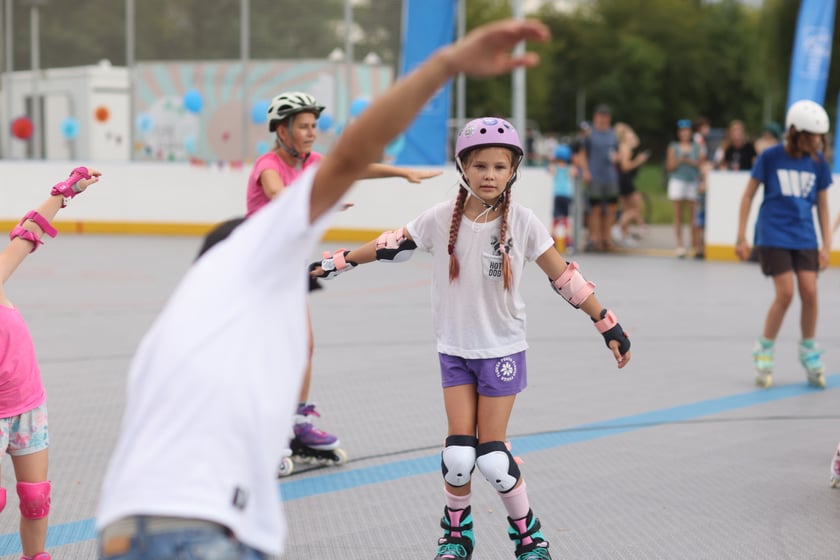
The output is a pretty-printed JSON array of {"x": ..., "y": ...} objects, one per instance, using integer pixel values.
[{"x": 676, "y": 456}]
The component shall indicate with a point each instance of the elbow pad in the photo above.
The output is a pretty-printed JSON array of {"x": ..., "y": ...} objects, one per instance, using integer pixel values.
[
  {"x": 394, "y": 246},
  {"x": 572, "y": 286}
]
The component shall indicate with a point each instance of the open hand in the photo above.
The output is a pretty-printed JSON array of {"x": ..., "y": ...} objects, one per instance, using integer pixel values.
[
  {"x": 417, "y": 175},
  {"x": 94, "y": 178},
  {"x": 621, "y": 360},
  {"x": 486, "y": 51}
]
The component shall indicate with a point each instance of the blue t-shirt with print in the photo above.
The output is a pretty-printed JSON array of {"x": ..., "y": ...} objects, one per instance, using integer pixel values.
[{"x": 785, "y": 219}]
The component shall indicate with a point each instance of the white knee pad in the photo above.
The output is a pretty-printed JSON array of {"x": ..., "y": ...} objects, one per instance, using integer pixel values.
[
  {"x": 497, "y": 465},
  {"x": 458, "y": 459}
]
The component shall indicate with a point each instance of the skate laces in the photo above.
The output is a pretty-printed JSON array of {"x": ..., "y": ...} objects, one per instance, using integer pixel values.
[
  {"x": 540, "y": 552},
  {"x": 451, "y": 550}
]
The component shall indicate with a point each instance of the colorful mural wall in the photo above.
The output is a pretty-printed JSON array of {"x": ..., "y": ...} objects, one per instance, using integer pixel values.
[{"x": 207, "y": 112}]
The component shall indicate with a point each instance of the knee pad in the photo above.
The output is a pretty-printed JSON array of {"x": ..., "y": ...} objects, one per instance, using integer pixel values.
[
  {"x": 458, "y": 459},
  {"x": 34, "y": 499},
  {"x": 497, "y": 465}
]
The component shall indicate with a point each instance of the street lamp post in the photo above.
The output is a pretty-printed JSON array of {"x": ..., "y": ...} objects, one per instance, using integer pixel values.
[{"x": 35, "y": 63}]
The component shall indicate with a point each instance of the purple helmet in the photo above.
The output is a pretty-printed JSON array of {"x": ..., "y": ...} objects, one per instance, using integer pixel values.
[{"x": 488, "y": 132}]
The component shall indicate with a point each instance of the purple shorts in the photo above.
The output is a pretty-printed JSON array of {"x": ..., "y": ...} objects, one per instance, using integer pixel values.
[{"x": 493, "y": 377}]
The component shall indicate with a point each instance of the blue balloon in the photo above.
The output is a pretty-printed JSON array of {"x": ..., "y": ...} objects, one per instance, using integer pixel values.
[
  {"x": 70, "y": 128},
  {"x": 189, "y": 144},
  {"x": 144, "y": 122},
  {"x": 325, "y": 122},
  {"x": 359, "y": 104},
  {"x": 193, "y": 101},
  {"x": 259, "y": 112},
  {"x": 262, "y": 147}
]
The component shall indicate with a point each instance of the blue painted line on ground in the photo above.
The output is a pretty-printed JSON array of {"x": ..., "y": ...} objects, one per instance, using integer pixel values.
[{"x": 296, "y": 489}]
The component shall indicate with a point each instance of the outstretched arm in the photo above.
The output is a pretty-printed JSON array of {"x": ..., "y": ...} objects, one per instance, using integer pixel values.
[
  {"x": 570, "y": 284},
  {"x": 484, "y": 52},
  {"x": 22, "y": 243},
  {"x": 390, "y": 246},
  {"x": 382, "y": 170}
]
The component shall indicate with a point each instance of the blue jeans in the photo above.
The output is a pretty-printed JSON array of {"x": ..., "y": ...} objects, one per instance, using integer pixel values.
[{"x": 186, "y": 544}]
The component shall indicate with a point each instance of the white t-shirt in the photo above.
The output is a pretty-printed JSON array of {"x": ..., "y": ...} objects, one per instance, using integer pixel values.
[
  {"x": 474, "y": 316},
  {"x": 213, "y": 386}
]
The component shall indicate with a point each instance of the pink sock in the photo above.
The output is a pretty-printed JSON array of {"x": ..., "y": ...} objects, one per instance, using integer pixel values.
[
  {"x": 456, "y": 502},
  {"x": 516, "y": 502}
]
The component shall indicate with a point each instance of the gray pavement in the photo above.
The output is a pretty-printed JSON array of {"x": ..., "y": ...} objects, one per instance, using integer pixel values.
[{"x": 676, "y": 456}]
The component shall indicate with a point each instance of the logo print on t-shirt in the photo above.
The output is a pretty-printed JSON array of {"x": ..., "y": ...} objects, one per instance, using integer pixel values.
[
  {"x": 494, "y": 241},
  {"x": 794, "y": 182},
  {"x": 506, "y": 369}
]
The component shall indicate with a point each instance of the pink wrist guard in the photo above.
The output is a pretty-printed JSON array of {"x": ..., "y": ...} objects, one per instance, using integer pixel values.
[
  {"x": 69, "y": 187},
  {"x": 607, "y": 322},
  {"x": 28, "y": 235}
]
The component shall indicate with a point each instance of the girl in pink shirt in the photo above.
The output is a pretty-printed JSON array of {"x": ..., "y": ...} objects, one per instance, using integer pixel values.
[
  {"x": 293, "y": 118},
  {"x": 23, "y": 409}
]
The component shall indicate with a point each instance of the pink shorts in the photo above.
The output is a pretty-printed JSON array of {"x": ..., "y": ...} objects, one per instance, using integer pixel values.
[
  {"x": 25, "y": 433},
  {"x": 493, "y": 377}
]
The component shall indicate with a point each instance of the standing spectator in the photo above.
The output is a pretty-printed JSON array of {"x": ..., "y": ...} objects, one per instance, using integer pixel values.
[
  {"x": 736, "y": 152},
  {"x": 563, "y": 173},
  {"x": 598, "y": 160},
  {"x": 684, "y": 160},
  {"x": 701, "y": 129},
  {"x": 629, "y": 162},
  {"x": 785, "y": 236}
]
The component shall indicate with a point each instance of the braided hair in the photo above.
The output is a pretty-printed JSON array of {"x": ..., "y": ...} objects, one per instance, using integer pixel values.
[{"x": 455, "y": 224}]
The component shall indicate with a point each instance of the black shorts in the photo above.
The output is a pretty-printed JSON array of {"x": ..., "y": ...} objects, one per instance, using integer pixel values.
[
  {"x": 561, "y": 206},
  {"x": 775, "y": 261}
]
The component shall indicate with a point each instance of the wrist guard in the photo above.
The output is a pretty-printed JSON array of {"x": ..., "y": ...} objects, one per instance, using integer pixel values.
[
  {"x": 31, "y": 236},
  {"x": 70, "y": 186},
  {"x": 333, "y": 265},
  {"x": 394, "y": 246},
  {"x": 610, "y": 329}
]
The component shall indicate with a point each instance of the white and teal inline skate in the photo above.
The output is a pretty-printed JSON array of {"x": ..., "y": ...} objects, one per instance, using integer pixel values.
[
  {"x": 810, "y": 356},
  {"x": 763, "y": 360}
]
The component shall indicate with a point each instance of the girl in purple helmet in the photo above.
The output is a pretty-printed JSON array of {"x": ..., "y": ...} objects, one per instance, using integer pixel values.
[{"x": 480, "y": 244}]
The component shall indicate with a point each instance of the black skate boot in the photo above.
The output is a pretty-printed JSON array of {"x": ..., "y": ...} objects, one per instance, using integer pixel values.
[
  {"x": 529, "y": 540},
  {"x": 458, "y": 541}
]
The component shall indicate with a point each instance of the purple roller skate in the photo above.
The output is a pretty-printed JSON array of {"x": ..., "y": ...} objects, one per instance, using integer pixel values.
[{"x": 311, "y": 444}]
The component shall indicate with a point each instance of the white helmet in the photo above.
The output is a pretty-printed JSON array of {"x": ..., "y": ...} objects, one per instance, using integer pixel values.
[
  {"x": 291, "y": 103},
  {"x": 807, "y": 116}
]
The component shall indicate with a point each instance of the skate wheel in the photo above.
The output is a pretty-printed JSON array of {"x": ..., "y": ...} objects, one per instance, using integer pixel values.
[
  {"x": 287, "y": 467},
  {"x": 834, "y": 482},
  {"x": 342, "y": 456}
]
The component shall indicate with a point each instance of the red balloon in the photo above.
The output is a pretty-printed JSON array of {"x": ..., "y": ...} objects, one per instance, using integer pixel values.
[
  {"x": 22, "y": 128},
  {"x": 101, "y": 114}
]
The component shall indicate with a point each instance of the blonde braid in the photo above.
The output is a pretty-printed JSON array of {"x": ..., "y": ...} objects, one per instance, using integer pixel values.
[
  {"x": 507, "y": 270},
  {"x": 454, "y": 226}
]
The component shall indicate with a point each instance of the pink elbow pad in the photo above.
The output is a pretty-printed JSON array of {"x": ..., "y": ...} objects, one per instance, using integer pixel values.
[
  {"x": 27, "y": 235},
  {"x": 572, "y": 286}
]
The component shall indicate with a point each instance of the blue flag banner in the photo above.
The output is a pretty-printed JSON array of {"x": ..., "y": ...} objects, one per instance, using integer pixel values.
[
  {"x": 427, "y": 25},
  {"x": 811, "y": 51}
]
